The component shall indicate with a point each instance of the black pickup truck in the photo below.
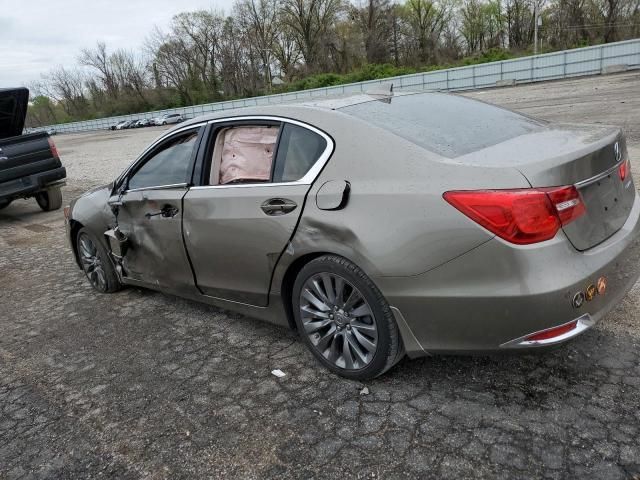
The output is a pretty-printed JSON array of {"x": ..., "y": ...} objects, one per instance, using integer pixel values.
[{"x": 29, "y": 164}]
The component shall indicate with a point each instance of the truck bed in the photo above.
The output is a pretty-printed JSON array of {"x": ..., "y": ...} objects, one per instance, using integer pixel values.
[{"x": 28, "y": 163}]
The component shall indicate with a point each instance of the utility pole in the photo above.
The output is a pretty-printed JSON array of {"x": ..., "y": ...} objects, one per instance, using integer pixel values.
[{"x": 535, "y": 27}]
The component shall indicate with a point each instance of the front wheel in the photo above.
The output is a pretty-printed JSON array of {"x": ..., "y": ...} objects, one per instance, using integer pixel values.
[
  {"x": 344, "y": 319},
  {"x": 96, "y": 263},
  {"x": 49, "y": 199}
]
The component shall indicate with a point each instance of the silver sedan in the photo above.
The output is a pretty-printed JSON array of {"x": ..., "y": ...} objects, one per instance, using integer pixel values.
[{"x": 376, "y": 226}]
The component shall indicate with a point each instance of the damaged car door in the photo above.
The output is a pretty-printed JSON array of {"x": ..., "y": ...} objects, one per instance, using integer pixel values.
[
  {"x": 239, "y": 220},
  {"x": 149, "y": 214}
]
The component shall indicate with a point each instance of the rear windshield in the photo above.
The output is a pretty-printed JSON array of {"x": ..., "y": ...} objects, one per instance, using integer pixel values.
[{"x": 445, "y": 124}]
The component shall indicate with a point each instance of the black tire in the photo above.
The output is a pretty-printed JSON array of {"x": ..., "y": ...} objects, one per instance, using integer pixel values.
[
  {"x": 388, "y": 349},
  {"x": 50, "y": 199},
  {"x": 5, "y": 203},
  {"x": 111, "y": 282}
]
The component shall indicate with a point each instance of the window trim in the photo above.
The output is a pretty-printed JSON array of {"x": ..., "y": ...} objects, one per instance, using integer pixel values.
[
  {"x": 308, "y": 177},
  {"x": 151, "y": 150},
  {"x": 170, "y": 186}
]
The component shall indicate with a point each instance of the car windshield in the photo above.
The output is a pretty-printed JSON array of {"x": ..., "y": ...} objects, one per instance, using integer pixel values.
[{"x": 448, "y": 125}]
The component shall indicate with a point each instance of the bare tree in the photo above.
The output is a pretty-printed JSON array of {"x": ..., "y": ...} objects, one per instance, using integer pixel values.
[
  {"x": 185, "y": 58},
  {"x": 286, "y": 51},
  {"x": 375, "y": 22},
  {"x": 239, "y": 62},
  {"x": 481, "y": 25},
  {"x": 98, "y": 59},
  {"x": 427, "y": 20},
  {"x": 259, "y": 21},
  {"x": 309, "y": 22},
  {"x": 519, "y": 17},
  {"x": 66, "y": 87}
]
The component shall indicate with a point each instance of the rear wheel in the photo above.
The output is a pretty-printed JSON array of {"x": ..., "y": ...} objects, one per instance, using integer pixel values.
[
  {"x": 96, "y": 263},
  {"x": 344, "y": 319},
  {"x": 50, "y": 199}
]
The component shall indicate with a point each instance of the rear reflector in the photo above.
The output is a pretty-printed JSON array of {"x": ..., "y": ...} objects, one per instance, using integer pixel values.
[
  {"x": 552, "y": 332},
  {"x": 520, "y": 216}
]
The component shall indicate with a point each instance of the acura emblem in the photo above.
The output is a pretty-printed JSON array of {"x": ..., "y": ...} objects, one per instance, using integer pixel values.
[{"x": 616, "y": 151}]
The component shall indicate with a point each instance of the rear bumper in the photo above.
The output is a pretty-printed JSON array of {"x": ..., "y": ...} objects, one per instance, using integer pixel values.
[
  {"x": 498, "y": 293},
  {"x": 31, "y": 184}
]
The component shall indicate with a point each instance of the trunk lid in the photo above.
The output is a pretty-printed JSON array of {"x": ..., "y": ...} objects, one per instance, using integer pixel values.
[
  {"x": 13, "y": 111},
  {"x": 585, "y": 156}
]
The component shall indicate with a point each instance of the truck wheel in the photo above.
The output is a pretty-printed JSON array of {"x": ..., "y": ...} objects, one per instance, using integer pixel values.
[
  {"x": 4, "y": 203},
  {"x": 50, "y": 199}
]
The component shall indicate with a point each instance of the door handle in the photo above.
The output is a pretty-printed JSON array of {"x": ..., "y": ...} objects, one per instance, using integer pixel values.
[
  {"x": 168, "y": 211},
  {"x": 278, "y": 206}
]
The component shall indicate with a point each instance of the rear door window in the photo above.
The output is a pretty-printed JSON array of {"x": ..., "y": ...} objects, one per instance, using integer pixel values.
[
  {"x": 271, "y": 152},
  {"x": 299, "y": 149},
  {"x": 243, "y": 154}
]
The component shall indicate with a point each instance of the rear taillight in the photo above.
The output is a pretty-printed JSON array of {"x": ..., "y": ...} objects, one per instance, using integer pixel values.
[
  {"x": 567, "y": 202},
  {"x": 52, "y": 147},
  {"x": 520, "y": 216},
  {"x": 624, "y": 169}
]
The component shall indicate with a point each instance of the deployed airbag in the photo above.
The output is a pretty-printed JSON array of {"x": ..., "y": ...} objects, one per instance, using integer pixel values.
[{"x": 247, "y": 153}]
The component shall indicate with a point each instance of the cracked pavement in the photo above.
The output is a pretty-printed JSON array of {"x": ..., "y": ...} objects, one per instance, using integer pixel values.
[{"x": 144, "y": 385}]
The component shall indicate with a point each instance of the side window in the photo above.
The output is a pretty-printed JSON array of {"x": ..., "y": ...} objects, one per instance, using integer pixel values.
[
  {"x": 243, "y": 154},
  {"x": 168, "y": 166},
  {"x": 298, "y": 151}
]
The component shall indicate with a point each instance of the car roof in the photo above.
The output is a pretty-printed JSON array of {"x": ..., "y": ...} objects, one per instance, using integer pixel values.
[{"x": 299, "y": 107}]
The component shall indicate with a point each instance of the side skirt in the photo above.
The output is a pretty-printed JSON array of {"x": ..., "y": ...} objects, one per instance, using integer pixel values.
[{"x": 274, "y": 313}]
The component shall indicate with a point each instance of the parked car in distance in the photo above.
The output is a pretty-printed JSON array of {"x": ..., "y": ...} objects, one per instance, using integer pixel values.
[
  {"x": 377, "y": 226},
  {"x": 144, "y": 122},
  {"x": 169, "y": 118},
  {"x": 29, "y": 163},
  {"x": 119, "y": 125}
]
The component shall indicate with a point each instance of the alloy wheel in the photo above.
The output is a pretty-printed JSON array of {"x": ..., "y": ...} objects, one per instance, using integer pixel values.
[
  {"x": 92, "y": 263},
  {"x": 338, "y": 321}
]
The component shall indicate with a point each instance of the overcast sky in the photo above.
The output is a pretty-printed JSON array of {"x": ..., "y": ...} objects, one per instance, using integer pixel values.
[{"x": 36, "y": 35}]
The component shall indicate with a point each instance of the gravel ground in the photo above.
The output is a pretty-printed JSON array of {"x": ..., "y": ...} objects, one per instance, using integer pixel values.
[{"x": 145, "y": 385}]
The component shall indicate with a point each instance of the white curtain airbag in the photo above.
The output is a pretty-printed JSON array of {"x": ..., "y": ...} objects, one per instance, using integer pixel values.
[{"x": 247, "y": 153}]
